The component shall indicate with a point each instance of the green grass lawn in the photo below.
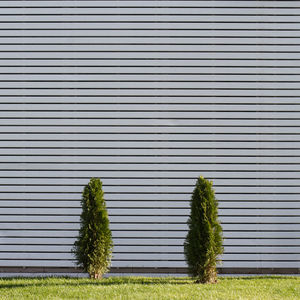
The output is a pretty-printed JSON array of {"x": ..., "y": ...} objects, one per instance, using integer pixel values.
[{"x": 267, "y": 287}]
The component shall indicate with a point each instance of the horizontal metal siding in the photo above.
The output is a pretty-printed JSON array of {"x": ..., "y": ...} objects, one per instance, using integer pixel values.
[{"x": 148, "y": 95}]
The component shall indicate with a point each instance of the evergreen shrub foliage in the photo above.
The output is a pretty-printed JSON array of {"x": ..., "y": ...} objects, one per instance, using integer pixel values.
[
  {"x": 204, "y": 242},
  {"x": 93, "y": 247}
]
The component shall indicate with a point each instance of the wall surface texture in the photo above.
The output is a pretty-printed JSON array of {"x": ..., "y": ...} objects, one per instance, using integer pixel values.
[{"x": 148, "y": 95}]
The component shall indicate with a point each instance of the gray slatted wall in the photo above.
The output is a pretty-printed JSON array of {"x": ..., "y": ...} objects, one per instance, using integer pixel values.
[{"x": 148, "y": 95}]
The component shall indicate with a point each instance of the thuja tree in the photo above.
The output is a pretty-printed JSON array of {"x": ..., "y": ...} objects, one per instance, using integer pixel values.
[
  {"x": 93, "y": 247},
  {"x": 203, "y": 244}
]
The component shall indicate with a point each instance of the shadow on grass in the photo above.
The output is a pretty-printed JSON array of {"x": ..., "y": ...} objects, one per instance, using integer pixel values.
[
  {"x": 66, "y": 281},
  {"x": 264, "y": 277},
  {"x": 12, "y": 283}
]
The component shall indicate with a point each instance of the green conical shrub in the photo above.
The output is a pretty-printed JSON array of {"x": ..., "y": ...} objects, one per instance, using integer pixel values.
[
  {"x": 203, "y": 244},
  {"x": 93, "y": 247}
]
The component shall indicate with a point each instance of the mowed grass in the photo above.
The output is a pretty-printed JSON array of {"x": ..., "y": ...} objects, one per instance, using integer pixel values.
[{"x": 264, "y": 287}]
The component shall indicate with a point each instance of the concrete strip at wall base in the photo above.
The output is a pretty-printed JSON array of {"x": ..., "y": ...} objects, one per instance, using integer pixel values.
[{"x": 145, "y": 271}]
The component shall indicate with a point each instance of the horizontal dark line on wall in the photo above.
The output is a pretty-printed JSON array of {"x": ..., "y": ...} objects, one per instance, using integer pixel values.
[
  {"x": 135, "y": 73},
  {"x": 279, "y": 118},
  {"x": 150, "y": 36},
  {"x": 148, "y": 193},
  {"x": 133, "y": 0},
  {"x": 142, "y": 51},
  {"x": 276, "y": 179},
  {"x": 154, "y": 193},
  {"x": 118, "y": 14},
  {"x": 148, "y": 163},
  {"x": 152, "y": 44},
  {"x": 40, "y": 259},
  {"x": 116, "y": 108},
  {"x": 156, "y": 170},
  {"x": 158, "y": 207},
  {"x": 144, "y": 230},
  {"x": 151, "y": 133},
  {"x": 179, "y": 239},
  {"x": 49, "y": 147},
  {"x": 150, "y": 22},
  {"x": 143, "y": 125},
  {"x": 141, "y": 155},
  {"x": 142, "y": 29},
  {"x": 143, "y": 0},
  {"x": 139, "y": 118},
  {"x": 147, "y": 148},
  {"x": 22, "y": 139},
  {"x": 119, "y": 7},
  {"x": 142, "y": 118},
  {"x": 148, "y": 185},
  {"x": 157, "y": 223},
  {"x": 132, "y": 102},
  {"x": 150, "y": 58},
  {"x": 150, "y": 260},
  {"x": 111, "y": 209},
  {"x": 161, "y": 51},
  {"x": 182, "y": 260},
  {"x": 282, "y": 201},
  {"x": 148, "y": 215},
  {"x": 147, "y": 37},
  {"x": 156, "y": 81},
  {"x": 46, "y": 230},
  {"x": 156, "y": 96},
  {"x": 213, "y": 67},
  {"x": 141, "y": 245},
  {"x": 55, "y": 222},
  {"x": 152, "y": 252},
  {"x": 224, "y": 260},
  {"x": 146, "y": 89}
]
